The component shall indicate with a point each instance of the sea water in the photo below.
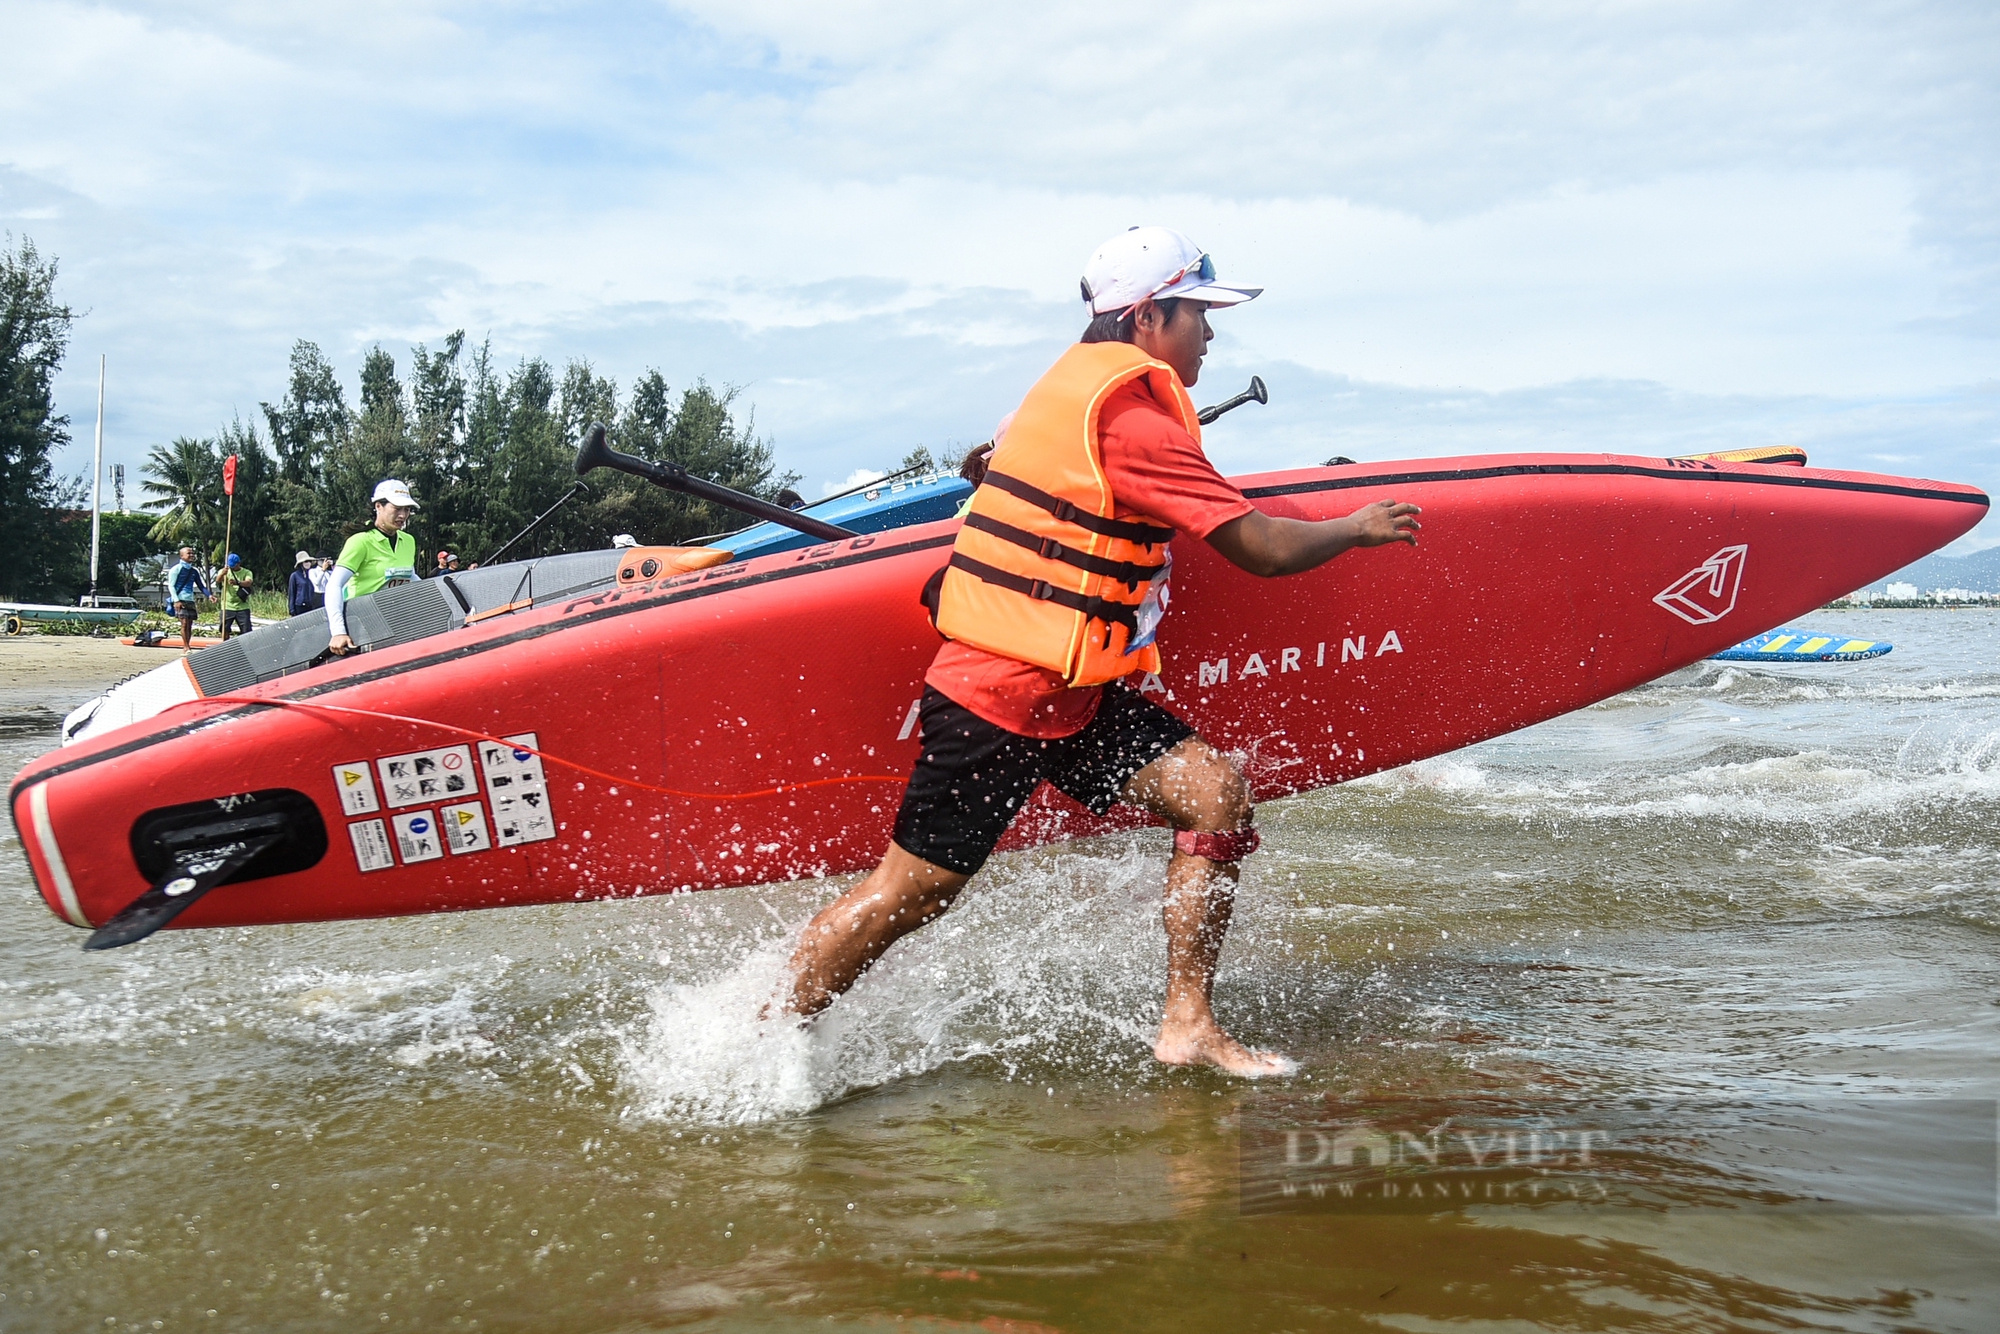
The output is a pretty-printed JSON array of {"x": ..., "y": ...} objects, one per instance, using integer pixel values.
[{"x": 1738, "y": 888}]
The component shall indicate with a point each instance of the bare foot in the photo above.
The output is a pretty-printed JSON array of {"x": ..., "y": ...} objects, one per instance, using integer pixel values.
[
  {"x": 1207, "y": 1044},
  {"x": 772, "y": 1010}
]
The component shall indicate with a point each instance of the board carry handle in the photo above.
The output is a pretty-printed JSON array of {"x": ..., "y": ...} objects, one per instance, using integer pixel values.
[
  {"x": 1256, "y": 393},
  {"x": 178, "y": 889},
  {"x": 594, "y": 453}
]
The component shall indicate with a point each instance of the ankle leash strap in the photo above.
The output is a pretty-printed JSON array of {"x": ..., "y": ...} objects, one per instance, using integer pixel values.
[{"x": 1229, "y": 846}]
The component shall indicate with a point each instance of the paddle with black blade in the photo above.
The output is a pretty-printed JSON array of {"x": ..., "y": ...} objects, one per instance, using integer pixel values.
[
  {"x": 594, "y": 453},
  {"x": 1256, "y": 393},
  {"x": 184, "y": 883}
]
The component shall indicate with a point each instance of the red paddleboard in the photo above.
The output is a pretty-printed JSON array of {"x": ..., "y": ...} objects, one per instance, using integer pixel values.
[
  {"x": 172, "y": 643},
  {"x": 754, "y": 722}
]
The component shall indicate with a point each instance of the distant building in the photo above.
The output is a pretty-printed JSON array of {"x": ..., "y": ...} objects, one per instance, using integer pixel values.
[{"x": 1900, "y": 592}]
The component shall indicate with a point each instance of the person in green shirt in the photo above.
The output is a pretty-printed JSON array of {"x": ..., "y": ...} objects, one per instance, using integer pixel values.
[
  {"x": 373, "y": 559},
  {"x": 236, "y": 582}
]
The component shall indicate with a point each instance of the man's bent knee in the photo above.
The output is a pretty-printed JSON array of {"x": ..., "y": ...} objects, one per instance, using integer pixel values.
[
  {"x": 1195, "y": 787},
  {"x": 1222, "y": 799},
  {"x": 1232, "y": 804}
]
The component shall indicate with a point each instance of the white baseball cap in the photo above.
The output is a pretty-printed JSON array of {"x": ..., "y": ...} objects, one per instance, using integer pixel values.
[
  {"x": 1155, "y": 262},
  {"x": 395, "y": 492}
]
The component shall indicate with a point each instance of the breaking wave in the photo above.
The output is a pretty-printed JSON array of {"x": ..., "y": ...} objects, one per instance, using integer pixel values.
[{"x": 1938, "y": 768}]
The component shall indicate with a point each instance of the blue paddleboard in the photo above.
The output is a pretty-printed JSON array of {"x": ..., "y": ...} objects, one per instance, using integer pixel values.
[
  {"x": 1794, "y": 645},
  {"x": 890, "y": 505}
]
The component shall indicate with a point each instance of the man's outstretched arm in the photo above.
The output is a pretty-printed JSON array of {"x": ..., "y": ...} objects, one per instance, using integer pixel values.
[{"x": 1269, "y": 546}]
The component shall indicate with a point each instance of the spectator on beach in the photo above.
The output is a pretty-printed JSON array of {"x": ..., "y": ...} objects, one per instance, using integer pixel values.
[
  {"x": 373, "y": 559},
  {"x": 446, "y": 563},
  {"x": 186, "y": 583},
  {"x": 321, "y": 571},
  {"x": 299, "y": 591},
  {"x": 236, "y": 583}
]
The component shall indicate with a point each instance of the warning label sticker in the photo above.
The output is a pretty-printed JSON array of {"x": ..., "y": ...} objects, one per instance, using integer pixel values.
[
  {"x": 356, "y": 784},
  {"x": 427, "y": 775},
  {"x": 417, "y": 837},
  {"x": 465, "y": 828},
  {"x": 520, "y": 791},
  {"x": 371, "y": 846}
]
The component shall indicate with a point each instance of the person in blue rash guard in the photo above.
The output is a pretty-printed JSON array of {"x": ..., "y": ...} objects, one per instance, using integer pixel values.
[{"x": 186, "y": 583}]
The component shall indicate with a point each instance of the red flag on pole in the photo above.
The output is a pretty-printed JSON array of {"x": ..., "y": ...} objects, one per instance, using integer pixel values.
[{"x": 229, "y": 476}]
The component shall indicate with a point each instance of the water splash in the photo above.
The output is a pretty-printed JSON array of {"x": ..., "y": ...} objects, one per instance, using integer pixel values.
[{"x": 1052, "y": 959}]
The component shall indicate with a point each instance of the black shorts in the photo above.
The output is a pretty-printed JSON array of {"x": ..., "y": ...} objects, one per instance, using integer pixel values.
[{"x": 973, "y": 777}]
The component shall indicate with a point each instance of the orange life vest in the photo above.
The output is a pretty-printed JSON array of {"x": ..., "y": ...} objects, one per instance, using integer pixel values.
[{"x": 1042, "y": 571}]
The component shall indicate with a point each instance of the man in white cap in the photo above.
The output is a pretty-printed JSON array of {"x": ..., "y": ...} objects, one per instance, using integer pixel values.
[
  {"x": 377, "y": 557},
  {"x": 1055, "y": 588}
]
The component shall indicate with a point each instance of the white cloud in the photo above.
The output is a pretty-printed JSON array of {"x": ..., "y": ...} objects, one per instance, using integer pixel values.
[
  {"x": 1487, "y": 224},
  {"x": 858, "y": 478}
]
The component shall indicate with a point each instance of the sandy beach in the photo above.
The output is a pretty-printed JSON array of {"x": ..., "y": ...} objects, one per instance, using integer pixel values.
[
  {"x": 44, "y": 675},
  {"x": 36, "y": 660}
]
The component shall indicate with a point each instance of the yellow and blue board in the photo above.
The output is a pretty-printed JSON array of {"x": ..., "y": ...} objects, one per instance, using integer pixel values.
[
  {"x": 1793, "y": 645},
  {"x": 878, "y": 508}
]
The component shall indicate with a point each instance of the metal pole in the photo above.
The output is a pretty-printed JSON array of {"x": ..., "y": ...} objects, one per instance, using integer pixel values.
[
  {"x": 97, "y": 481},
  {"x": 533, "y": 523}
]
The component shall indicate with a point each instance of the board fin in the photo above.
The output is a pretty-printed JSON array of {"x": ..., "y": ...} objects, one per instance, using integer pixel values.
[{"x": 176, "y": 891}]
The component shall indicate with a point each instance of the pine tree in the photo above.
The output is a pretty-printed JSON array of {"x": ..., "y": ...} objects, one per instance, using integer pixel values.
[
  {"x": 484, "y": 452},
  {"x": 312, "y": 419},
  {"x": 436, "y": 449},
  {"x": 699, "y": 433},
  {"x": 532, "y": 467},
  {"x": 474, "y": 528},
  {"x": 34, "y": 332}
]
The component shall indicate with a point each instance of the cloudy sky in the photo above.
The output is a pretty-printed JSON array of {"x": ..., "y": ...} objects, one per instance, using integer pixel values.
[{"x": 1626, "y": 226}]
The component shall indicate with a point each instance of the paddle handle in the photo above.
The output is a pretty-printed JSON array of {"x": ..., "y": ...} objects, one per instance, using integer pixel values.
[{"x": 594, "y": 453}]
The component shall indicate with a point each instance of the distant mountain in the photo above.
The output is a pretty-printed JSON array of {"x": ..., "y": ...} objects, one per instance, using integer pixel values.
[{"x": 1978, "y": 573}]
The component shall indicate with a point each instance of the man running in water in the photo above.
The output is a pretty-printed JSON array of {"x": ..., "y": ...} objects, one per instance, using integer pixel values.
[{"x": 1056, "y": 584}]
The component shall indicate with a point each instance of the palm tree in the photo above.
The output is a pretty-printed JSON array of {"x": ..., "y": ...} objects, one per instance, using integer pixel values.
[{"x": 185, "y": 479}]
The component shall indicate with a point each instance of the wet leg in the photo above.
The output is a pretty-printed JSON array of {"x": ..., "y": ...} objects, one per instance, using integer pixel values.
[
  {"x": 1195, "y": 787},
  {"x": 847, "y": 936}
]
